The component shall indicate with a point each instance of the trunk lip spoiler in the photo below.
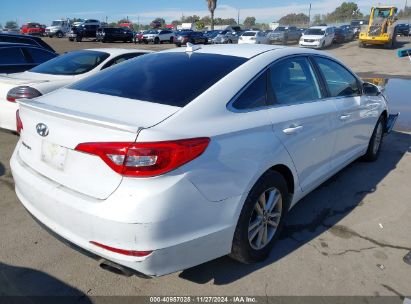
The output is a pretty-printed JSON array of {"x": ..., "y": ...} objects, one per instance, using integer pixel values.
[{"x": 79, "y": 116}]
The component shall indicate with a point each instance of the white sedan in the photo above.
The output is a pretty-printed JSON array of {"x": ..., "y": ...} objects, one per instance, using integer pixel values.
[
  {"x": 54, "y": 74},
  {"x": 154, "y": 176},
  {"x": 253, "y": 37}
]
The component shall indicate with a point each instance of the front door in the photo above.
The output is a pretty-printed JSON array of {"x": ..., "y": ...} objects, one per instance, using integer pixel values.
[{"x": 302, "y": 119}]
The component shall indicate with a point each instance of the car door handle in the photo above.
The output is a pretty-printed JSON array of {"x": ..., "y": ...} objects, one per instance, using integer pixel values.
[
  {"x": 345, "y": 117},
  {"x": 292, "y": 129}
]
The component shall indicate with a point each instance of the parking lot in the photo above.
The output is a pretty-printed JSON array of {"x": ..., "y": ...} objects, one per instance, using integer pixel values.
[
  {"x": 375, "y": 61},
  {"x": 348, "y": 237}
]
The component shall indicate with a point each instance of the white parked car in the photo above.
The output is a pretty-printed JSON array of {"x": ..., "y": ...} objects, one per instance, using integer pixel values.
[
  {"x": 54, "y": 74},
  {"x": 158, "y": 36},
  {"x": 318, "y": 37},
  {"x": 253, "y": 37},
  {"x": 156, "y": 176}
]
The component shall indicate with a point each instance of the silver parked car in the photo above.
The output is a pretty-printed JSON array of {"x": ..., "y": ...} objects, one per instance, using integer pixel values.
[
  {"x": 284, "y": 34},
  {"x": 225, "y": 36}
]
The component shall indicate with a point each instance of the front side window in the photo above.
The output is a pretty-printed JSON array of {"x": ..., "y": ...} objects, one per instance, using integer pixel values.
[
  {"x": 340, "y": 82},
  {"x": 254, "y": 96},
  {"x": 73, "y": 63},
  {"x": 292, "y": 81}
]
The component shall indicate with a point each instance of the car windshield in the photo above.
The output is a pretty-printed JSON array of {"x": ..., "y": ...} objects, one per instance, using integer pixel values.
[
  {"x": 250, "y": 34},
  {"x": 151, "y": 32},
  {"x": 73, "y": 63},
  {"x": 313, "y": 31},
  {"x": 280, "y": 29},
  {"x": 174, "y": 78},
  {"x": 56, "y": 23}
]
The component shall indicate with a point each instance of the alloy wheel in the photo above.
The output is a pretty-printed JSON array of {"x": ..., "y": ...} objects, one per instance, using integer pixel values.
[{"x": 265, "y": 218}]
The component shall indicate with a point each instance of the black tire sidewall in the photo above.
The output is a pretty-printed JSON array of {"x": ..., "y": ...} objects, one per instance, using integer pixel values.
[
  {"x": 241, "y": 248},
  {"x": 370, "y": 155}
]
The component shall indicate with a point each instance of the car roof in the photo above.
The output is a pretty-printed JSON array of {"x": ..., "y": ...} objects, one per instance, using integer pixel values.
[
  {"x": 321, "y": 27},
  {"x": 118, "y": 51},
  {"x": 238, "y": 50}
]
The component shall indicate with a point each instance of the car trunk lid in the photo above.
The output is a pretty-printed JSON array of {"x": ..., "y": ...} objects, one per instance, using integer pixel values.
[{"x": 55, "y": 124}]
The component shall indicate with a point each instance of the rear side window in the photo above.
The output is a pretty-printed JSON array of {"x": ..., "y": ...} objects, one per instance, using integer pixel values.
[
  {"x": 293, "y": 81},
  {"x": 174, "y": 78},
  {"x": 72, "y": 63},
  {"x": 12, "y": 56},
  {"x": 254, "y": 96},
  {"x": 38, "y": 56},
  {"x": 340, "y": 82}
]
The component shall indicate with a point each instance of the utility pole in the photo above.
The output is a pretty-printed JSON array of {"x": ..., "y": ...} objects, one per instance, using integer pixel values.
[
  {"x": 309, "y": 15},
  {"x": 238, "y": 16}
]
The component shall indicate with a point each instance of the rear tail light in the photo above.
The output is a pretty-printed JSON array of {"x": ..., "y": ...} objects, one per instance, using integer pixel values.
[
  {"x": 122, "y": 251},
  {"x": 19, "y": 123},
  {"x": 146, "y": 159},
  {"x": 22, "y": 92}
]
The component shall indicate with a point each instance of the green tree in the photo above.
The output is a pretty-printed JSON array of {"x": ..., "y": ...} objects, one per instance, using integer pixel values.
[
  {"x": 200, "y": 25},
  {"x": 346, "y": 11},
  {"x": 212, "y": 5},
  {"x": 249, "y": 22},
  {"x": 206, "y": 20},
  {"x": 158, "y": 23},
  {"x": 190, "y": 19},
  {"x": 11, "y": 25},
  {"x": 294, "y": 19},
  {"x": 229, "y": 21}
]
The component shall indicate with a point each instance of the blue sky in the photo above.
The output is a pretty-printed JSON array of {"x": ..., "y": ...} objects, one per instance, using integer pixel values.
[{"x": 44, "y": 11}]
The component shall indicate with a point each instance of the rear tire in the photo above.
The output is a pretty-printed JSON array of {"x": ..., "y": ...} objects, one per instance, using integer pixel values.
[
  {"x": 259, "y": 226},
  {"x": 375, "y": 143}
]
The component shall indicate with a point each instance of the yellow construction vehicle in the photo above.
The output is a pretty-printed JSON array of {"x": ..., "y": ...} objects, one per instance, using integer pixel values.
[{"x": 381, "y": 27}]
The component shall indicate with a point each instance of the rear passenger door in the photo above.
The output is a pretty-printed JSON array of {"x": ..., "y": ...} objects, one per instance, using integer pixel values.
[
  {"x": 353, "y": 119},
  {"x": 302, "y": 118}
]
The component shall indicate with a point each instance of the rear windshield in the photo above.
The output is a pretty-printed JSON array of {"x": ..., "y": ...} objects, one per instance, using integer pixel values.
[
  {"x": 174, "y": 78},
  {"x": 73, "y": 63},
  {"x": 252, "y": 34}
]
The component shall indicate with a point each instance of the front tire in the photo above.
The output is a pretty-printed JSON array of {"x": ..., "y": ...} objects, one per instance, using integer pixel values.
[
  {"x": 375, "y": 143},
  {"x": 261, "y": 219}
]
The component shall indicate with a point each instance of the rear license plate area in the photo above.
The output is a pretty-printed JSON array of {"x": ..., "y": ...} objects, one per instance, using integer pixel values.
[{"x": 53, "y": 155}]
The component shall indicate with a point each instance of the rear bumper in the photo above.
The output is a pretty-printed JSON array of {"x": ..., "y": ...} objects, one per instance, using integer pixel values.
[
  {"x": 8, "y": 114},
  {"x": 175, "y": 221}
]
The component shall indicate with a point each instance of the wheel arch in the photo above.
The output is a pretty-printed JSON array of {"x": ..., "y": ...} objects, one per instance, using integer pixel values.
[{"x": 288, "y": 175}]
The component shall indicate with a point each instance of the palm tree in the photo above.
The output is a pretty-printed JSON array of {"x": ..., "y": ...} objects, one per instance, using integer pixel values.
[{"x": 212, "y": 4}]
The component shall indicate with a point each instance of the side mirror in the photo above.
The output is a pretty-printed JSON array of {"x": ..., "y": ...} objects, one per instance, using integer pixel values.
[{"x": 370, "y": 90}]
